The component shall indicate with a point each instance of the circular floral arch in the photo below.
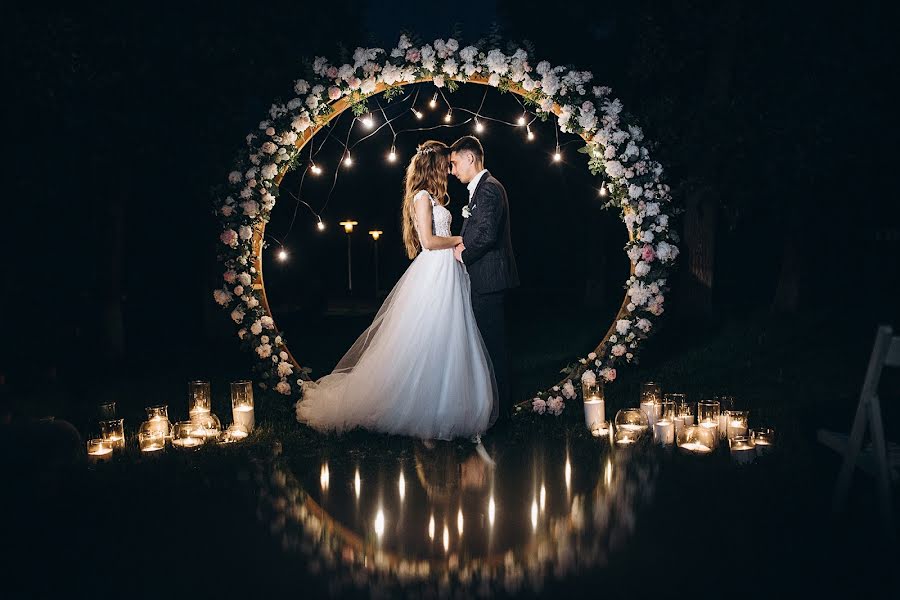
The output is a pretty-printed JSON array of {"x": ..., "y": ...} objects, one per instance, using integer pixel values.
[{"x": 613, "y": 146}]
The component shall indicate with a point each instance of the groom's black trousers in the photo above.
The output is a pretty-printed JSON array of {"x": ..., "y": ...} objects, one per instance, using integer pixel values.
[{"x": 490, "y": 316}]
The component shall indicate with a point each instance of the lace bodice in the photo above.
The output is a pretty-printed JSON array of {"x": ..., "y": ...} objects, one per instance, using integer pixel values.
[{"x": 440, "y": 217}]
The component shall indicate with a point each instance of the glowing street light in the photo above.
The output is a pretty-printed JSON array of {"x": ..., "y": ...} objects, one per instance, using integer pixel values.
[{"x": 348, "y": 228}]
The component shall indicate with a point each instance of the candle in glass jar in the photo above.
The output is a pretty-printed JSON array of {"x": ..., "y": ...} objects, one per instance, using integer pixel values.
[
  {"x": 742, "y": 450},
  {"x": 696, "y": 448},
  {"x": 664, "y": 432},
  {"x": 187, "y": 442},
  {"x": 679, "y": 423},
  {"x": 763, "y": 439},
  {"x": 594, "y": 413},
  {"x": 737, "y": 429},
  {"x": 243, "y": 415},
  {"x": 99, "y": 450}
]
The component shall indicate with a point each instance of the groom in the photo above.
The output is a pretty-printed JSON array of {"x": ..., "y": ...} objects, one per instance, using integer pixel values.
[{"x": 487, "y": 253}]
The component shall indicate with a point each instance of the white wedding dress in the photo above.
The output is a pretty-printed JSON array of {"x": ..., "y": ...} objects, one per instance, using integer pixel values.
[{"x": 421, "y": 369}]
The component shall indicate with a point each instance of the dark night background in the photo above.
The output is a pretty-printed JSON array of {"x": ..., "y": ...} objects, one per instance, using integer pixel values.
[{"x": 774, "y": 123}]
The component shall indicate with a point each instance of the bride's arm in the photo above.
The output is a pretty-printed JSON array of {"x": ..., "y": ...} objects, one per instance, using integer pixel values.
[{"x": 423, "y": 222}]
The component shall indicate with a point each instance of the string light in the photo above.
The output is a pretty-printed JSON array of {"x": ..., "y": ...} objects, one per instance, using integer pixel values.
[
  {"x": 433, "y": 102},
  {"x": 375, "y": 235},
  {"x": 530, "y": 133},
  {"x": 603, "y": 191},
  {"x": 521, "y": 120},
  {"x": 418, "y": 113},
  {"x": 392, "y": 155},
  {"x": 557, "y": 156},
  {"x": 282, "y": 255},
  {"x": 478, "y": 126},
  {"x": 449, "y": 116},
  {"x": 321, "y": 224},
  {"x": 316, "y": 169},
  {"x": 368, "y": 122},
  {"x": 348, "y": 160}
]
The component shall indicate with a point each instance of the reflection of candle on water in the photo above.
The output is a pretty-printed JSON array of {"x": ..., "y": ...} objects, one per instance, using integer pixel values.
[
  {"x": 431, "y": 528},
  {"x": 762, "y": 447},
  {"x": 492, "y": 510},
  {"x": 742, "y": 452}
]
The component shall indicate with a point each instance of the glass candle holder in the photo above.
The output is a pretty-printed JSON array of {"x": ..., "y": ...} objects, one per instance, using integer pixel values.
[
  {"x": 242, "y": 409},
  {"x": 631, "y": 423},
  {"x": 199, "y": 398},
  {"x": 695, "y": 439},
  {"x": 235, "y": 433},
  {"x": 594, "y": 405},
  {"x": 742, "y": 449},
  {"x": 151, "y": 437},
  {"x": 678, "y": 401},
  {"x": 183, "y": 437},
  {"x": 158, "y": 417},
  {"x": 206, "y": 426},
  {"x": 726, "y": 403},
  {"x": 651, "y": 396},
  {"x": 113, "y": 431},
  {"x": 664, "y": 428},
  {"x": 763, "y": 440},
  {"x": 107, "y": 411},
  {"x": 708, "y": 415},
  {"x": 99, "y": 450},
  {"x": 737, "y": 423}
]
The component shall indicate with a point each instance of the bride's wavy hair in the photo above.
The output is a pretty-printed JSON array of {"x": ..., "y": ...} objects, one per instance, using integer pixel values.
[{"x": 427, "y": 170}]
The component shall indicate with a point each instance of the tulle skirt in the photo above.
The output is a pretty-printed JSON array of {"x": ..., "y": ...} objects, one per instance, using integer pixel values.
[{"x": 421, "y": 369}]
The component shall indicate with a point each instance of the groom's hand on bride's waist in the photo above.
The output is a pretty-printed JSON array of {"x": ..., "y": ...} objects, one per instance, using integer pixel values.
[{"x": 458, "y": 250}]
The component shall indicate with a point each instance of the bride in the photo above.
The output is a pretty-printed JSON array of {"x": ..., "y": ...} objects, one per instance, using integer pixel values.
[{"x": 421, "y": 369}]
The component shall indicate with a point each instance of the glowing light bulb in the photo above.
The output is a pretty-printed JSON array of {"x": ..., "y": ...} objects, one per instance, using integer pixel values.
[
  {"x": 521, "y": 120},
  {"x": 392, "y": 155},
  {"x": 368, "y": 122},
  {"x": 449, "y": 116},
  {"x": 348, "y": 160},
  {"x": 603, "y": 191},
  {"x": 478, "y": 126},
  {"x": 282, "y": 255},
  {"x": 557, "y": 156},
  {"x": 320, "y": 225},
  {"x": 530, "y": 134},
  {"x": 316, "y": 169},
  {"x": 418, "y": 113},
  {"x": 433, "y": 102}
]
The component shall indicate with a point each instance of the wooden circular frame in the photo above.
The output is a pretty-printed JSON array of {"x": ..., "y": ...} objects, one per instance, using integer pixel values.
[{"x": 338, "y": 107}]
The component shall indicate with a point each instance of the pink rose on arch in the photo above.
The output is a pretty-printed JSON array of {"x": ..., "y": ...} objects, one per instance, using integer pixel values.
[
  {"x": 647, "y": 253},
  {"x": 354, "y": 83},
  {"x": 568, "y": 390},
  {"x": 229, "y": 276},
  {"x": 413, "y": 55},
  {"x": 618, "y": 350},
  {"x": 334, "y": 92},
  {"x": 229, "y": 237},
  {"x": 332, "y": 72},
  {"x": 267, "y": 322},
  {"x": 539, "y": 406},
  {"x": 555, "y": 405},
  {"x": 608, "y": 374}
]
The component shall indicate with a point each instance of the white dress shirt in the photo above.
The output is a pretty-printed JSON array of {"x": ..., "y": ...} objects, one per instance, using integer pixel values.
[{"x": 474, "y": 183}]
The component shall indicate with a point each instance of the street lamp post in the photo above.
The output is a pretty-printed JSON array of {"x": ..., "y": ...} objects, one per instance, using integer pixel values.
[
  {"x": 375, "y": 235},
  {"x": 348, "y": 227}
]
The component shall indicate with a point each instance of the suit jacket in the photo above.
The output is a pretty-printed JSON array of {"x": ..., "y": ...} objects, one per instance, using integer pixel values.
[{"x": 488, "y": 256}]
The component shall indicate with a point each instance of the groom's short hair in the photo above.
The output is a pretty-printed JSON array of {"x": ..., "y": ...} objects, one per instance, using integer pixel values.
[{"x": 471, "y": 144}]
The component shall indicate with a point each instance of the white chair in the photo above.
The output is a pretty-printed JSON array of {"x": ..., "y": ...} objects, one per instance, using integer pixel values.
[{"x": 875, "y": 458}]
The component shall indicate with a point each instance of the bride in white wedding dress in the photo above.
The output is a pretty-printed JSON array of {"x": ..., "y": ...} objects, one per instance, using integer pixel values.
[{"x": 421, "y": 369}]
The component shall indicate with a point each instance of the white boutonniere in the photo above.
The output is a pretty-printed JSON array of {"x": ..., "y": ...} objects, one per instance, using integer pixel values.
[{"x": 466, "y": 212}]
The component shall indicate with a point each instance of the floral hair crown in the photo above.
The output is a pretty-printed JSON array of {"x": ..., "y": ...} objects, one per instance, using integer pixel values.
[{"x": 425, "y": 149}]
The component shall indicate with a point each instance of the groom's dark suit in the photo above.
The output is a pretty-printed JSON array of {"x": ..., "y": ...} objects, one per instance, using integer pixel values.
[{"x": 492, "y": 270}]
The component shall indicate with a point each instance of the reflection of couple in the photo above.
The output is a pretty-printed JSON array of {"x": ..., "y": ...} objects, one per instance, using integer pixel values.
[{"x": 433, "y": 362}]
